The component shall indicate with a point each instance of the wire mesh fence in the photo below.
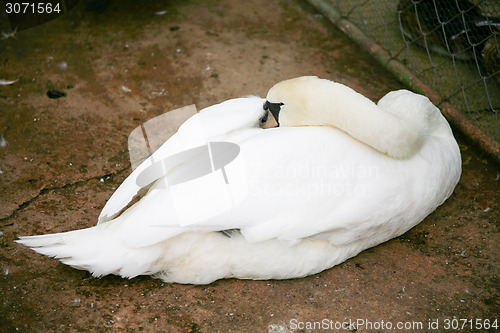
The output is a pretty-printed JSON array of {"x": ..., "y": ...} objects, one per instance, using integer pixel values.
[{"x": 452, "y": 46}]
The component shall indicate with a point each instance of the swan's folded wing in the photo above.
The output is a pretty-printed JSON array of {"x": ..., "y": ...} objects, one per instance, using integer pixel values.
[
  {"x": 320, "y": 182},
  {"x": 324, "y": 184},
  {"x": 295, "y": 189}
]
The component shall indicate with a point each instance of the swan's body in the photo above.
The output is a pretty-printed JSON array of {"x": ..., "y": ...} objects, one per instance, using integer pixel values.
[{"x": 315, "y": 195}]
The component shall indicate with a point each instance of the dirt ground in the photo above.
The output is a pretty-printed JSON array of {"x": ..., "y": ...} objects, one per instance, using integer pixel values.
[{"x": 61, "y": 159}]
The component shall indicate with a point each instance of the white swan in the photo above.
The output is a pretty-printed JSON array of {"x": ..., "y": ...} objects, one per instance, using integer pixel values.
[{"x": 315, "y": 195}]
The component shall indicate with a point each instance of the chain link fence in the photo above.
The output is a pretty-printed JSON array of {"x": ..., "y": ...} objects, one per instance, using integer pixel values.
[{"x": 445, "y": 49}]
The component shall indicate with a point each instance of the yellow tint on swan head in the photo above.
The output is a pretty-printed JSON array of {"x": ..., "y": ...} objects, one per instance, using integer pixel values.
[{"x": 293, "y": 98}]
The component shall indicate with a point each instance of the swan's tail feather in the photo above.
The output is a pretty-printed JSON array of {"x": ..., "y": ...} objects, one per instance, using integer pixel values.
[
  {"x": 95, "y": 250},
  {"x": 40, "y": 241}
]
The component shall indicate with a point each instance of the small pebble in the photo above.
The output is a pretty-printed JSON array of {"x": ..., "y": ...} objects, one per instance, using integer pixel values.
[
  {"x": 62, "y": 65},
  {"x": 55, "y": 94}
]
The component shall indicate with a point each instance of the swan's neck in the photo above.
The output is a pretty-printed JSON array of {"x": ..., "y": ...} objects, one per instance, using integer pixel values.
[
  {"x": 362, "y": 119},
  {"x": 386, "y": 132}
]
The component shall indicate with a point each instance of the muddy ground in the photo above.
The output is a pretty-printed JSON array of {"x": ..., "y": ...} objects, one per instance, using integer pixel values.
[{"x": 61, "y": 159}]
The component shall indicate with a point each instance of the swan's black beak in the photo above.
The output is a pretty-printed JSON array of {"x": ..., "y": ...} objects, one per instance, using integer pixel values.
[{"x": 273, "y": 109}]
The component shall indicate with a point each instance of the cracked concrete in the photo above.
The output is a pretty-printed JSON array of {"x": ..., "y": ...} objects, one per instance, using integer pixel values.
[
  {"x": 46, "y": 190},
  {"x": 128, "y": 64}
]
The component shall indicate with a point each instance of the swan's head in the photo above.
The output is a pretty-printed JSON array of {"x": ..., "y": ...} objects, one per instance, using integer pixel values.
[{"x": 287, "y": 103}]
